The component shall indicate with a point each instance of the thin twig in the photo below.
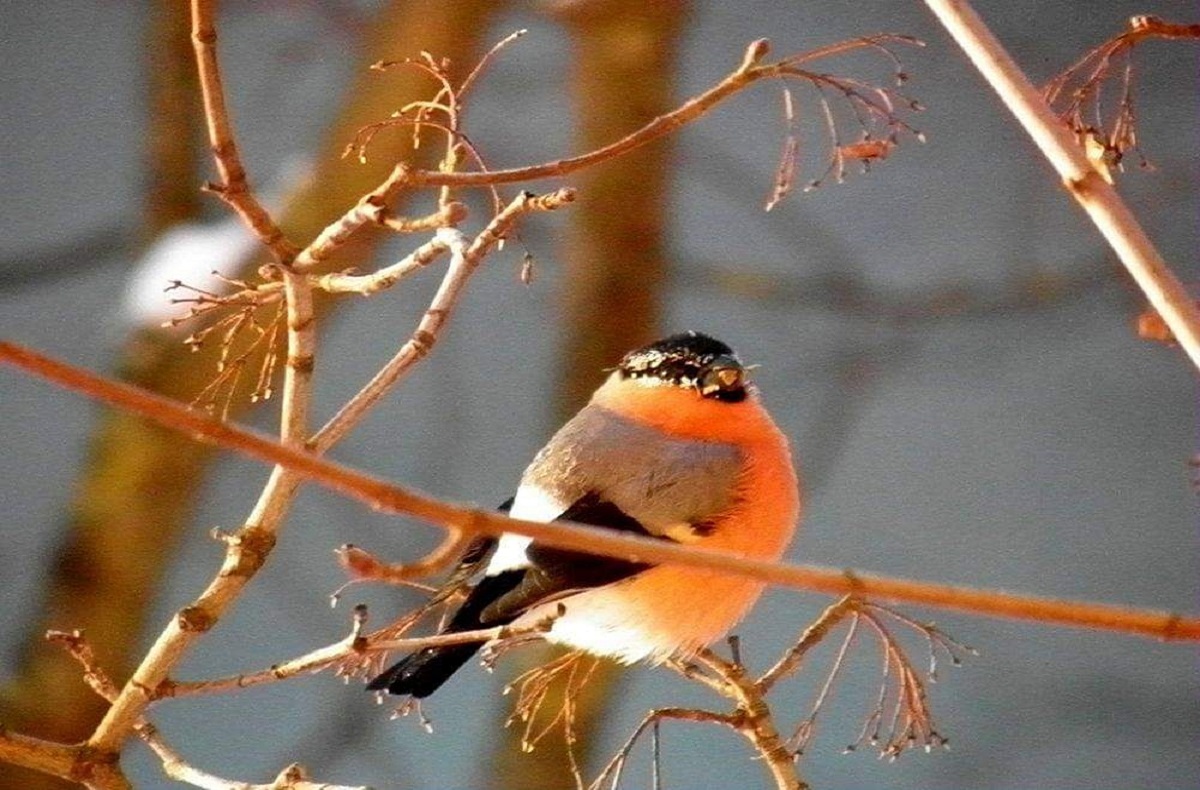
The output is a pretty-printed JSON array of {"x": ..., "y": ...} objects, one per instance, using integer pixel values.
[
  {"x": 611, "y": 773},
  {"x": 911, "y": 722},
  {"x": 251, "y": 295},
  {"x": 371, "y": 208},
  {"x": 754, "y": 720},
  {"x": 325, "y": 657},
  {"x": 1083, "y": 181},
  {"x": 785, "y": 171},
  {"x": 452, "y": 547},
  {"x": 233, "y": 188},
  {"x": 390, "y": 498},
  {"x": 369, "y": 284},
  {"x": 1109, "y": 138},
  {"x": 790, "y": 660},
  {"x": 698, "y": 674},
  {"x": 248, "y": 549},
  {"x": 485, "y": 61},
  {"x": 806, "y": 728},
  {"x": 869, "y": 101},
  {"x": 293, "y": 777},
  {"x": 749, "y": 71},
  {"x": 464, "y": 259},
  {"x": 534, "y": 689}
]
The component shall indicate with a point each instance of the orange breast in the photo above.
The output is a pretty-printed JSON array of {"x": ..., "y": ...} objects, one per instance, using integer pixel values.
[{"x": 669, "y": 609}]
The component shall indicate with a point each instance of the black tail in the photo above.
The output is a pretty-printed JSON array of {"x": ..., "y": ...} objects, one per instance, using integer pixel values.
[{"x": 423, "y": 672}]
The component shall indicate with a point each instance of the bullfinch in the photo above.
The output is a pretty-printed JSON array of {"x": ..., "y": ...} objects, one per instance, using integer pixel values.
[{"x": 675, "y": 445}]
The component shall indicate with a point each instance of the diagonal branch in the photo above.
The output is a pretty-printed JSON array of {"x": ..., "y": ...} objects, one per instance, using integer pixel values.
[
  {"x": 812, "y": 635},
  {"x": 464, "y": 260},
  {"x": 748, "y": 72},
  {"x": 248, "y": 549},
  {"x": 610, "y": 775},
  {"x": 293, "y": 777},
  {"x": 234, "y": 188},
  {"x": 71, "y": 762},
  {"x": 1084, "y": 183},
  {"x": 387, "y": 497},
  {"x": 754, "y": 720},
  {"x": 369, "y": 284},
  {"x": 337, "y": 653}
]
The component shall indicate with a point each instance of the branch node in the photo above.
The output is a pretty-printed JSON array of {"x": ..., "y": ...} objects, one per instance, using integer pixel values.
[
  {"x": 247, "y": 550},
  {"x": 1143, "y": 22},
  {"x": 194, "y": 619},
  {"x": 290, "y": 776},
  {"x": 88, "y": 759},
  {"x": 229, "y": 539},
  {"x": 302, "y": 363},
  {"x": 422, "y": 342},
  {"x": 358, "y": 640},
  {"x": 754, "y": 53}
]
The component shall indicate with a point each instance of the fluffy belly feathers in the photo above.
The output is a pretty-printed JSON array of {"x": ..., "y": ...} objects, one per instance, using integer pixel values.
[{"x": 671, "y": 610}]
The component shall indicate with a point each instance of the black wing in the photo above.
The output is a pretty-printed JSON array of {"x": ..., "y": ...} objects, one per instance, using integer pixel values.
[
  {"x": 499, "y": 599},
  {"x": 473, "y": 560},
  {"x": 555, "y": 572}
]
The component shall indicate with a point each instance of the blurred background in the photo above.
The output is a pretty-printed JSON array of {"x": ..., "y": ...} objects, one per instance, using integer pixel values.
[{"x": 946, "y": 340}]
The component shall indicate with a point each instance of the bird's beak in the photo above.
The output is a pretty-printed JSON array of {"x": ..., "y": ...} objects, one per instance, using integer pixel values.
[
  {"x": 724, "y": 373},
  {"x": 728, "y": 378}
]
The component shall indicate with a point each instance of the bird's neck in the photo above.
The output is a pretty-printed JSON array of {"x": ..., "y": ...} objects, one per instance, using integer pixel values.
[{"x": 685, "y": 413}]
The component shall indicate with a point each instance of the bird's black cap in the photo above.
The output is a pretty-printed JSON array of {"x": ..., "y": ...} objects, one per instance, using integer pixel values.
[{"x": 692, "y": 360}]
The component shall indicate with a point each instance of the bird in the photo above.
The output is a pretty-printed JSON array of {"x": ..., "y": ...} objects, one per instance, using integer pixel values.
[{"x": 675, "y": 445}]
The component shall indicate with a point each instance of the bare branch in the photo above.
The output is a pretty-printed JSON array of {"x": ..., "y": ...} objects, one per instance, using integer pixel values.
[
  {"x": 294, "y": 777},
  {"x": 465, "y": 258},
  {"x": 790, "y": 660},
  {"x": 806, "y": 728},
  {"x": 447, "y": 551},
  {"x": 1083, "y": 84},
  {"x": 369, "y": 284},
  {"x": 72, "y": 763},
  {"x": 900, "y": 719},
  {"x": 447, "y": 216},
  {"x": 754, "y": 720},
  {"x": 352, "y": 648},
  {"x": 611, "y": 773},
  {"x": 1080, "y": 178},
  {"x": 749, "y": 71},
  {"x": 911, "y": 723},
  {"x": 485, "y": 61},
  {"x": 233, "y": 188},
  {"x": 248, "y": 549},
  {"x": 371, "y": 208},
  {"x": 386, "y": 497},
  {"x": 246, "y": 552},
  {"x": 871, "y": 105}
]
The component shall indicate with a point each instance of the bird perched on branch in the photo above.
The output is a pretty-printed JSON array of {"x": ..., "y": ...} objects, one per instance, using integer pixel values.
[{"x": 674, "y": 445}]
